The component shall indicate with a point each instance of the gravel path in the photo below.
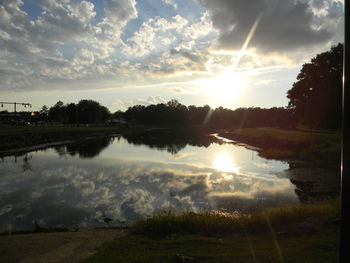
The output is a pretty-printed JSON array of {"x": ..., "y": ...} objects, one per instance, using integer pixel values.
[{"x": 63, "y": 247}]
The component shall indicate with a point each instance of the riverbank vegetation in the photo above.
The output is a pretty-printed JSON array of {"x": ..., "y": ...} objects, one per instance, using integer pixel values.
[
  {"x": 303, "y": 233},
  {"x": 319, "y": 147},
  {"x": 286, "y": 220}
]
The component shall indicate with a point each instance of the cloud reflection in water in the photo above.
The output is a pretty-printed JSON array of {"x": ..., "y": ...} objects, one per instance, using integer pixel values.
[{"x": 70, "y": 192}]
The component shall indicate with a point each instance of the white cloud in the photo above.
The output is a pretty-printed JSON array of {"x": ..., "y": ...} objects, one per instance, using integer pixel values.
[
  {"x": 44, "y": 44},
  {"x": 84, "y": 57},
  {"x": 154, "y": 34},
  {"x": 171, "y": 3},
  {"x": 201, "y": 28},
  {"x": 148, "y": 101}
]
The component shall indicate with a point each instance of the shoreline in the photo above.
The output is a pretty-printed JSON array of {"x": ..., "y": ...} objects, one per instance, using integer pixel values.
[
  {"x": 52, "y": 246},
  {"x": 319, "y": 149},
  {"x": 313, "y": 222},
  {"x": 47, "y": 145}
]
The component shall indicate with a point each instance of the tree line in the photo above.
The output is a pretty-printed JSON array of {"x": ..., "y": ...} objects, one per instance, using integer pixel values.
[
  {"x": 172, "y": 113},
  {"x": 315, "y": 99},
  {"x": 175, "y": 113}
]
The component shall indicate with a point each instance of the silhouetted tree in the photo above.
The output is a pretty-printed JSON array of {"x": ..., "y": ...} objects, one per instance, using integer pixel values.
[
  {"x": 90, "y": 111},
  {"x": 86, "y": 111},
  {"x": 72, "y": 113},
  {"x": 174, "y": 113},
  {"x": 316, "y": 95},
  {"x": 44, "y": 113},
  {"x": 58, "y": 112}
]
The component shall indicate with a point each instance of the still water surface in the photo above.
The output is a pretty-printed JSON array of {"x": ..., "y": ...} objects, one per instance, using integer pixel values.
[{"x": 79, "y": 185}]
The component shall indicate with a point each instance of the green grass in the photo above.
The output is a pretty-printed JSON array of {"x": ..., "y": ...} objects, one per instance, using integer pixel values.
[
  {"x": 215, "y": 237},
  {"x": 267, "y": 236},
  {"x": 217, "y": 223},
  {"x": 321, "y": 248}
]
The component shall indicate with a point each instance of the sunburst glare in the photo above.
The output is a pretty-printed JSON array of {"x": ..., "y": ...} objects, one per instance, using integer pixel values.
[
  {"x": 224, "y": 163},
  {"x": 225, "y": 87}
]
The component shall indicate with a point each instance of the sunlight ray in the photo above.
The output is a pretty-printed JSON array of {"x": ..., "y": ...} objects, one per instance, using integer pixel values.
[{"x": 246, "y": 42}]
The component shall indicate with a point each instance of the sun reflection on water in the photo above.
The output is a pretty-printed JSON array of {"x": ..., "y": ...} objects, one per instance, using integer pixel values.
[{"x": 224, "y": 163}]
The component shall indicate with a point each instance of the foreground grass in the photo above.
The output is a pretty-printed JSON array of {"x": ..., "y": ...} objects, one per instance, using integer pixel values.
[
  {"x": 222, "y": 238},
  {"x": 321, "y": 248},
  {"x": 291, "y": 219},
  {"x": 318, "y": 146}
]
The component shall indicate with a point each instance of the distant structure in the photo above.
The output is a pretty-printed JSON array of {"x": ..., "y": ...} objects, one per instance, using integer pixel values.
[{"x": 15, "y": 104}]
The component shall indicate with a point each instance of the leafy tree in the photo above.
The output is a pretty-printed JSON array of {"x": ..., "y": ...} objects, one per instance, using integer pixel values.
[
  {"x": 43, "y": 113},
  {"x": 86, "y": 111},
  {"x": 90, "y": 111},
  {"x": 58, "y": 112},
  {"x": 71, "y": 111},
  {"x": 316, "y": 95}
]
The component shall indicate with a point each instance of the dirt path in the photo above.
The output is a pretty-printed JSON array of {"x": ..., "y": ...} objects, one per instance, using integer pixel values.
[{"x": 64, "y": 247}]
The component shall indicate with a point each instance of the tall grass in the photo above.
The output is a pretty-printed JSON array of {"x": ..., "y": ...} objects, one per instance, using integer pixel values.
[{"x": 287, "y": 219}]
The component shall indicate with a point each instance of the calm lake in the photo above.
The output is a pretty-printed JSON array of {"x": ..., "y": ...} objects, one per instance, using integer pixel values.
[{"x": 77, "y": 186}]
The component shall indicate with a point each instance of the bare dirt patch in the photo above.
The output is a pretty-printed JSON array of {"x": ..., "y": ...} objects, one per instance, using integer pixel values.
[{"x": 63, "y": 247}]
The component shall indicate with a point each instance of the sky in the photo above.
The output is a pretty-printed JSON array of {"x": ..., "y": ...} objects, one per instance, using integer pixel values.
[{"x": 230, "y": 53}]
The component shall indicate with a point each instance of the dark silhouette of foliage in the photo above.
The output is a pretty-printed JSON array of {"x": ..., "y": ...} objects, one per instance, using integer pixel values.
[
  {"x": 86, "y": 111},
  {"x": 89, "y": 149},
  {"x": 72, "y": 113},
  {"x": 58, "y": 112},
  {"x": 89, "y": 111},
  {"x": 175, "y": 114},
  {"x": 316, "y": 95},
  {"x": 171, "y": 140}
]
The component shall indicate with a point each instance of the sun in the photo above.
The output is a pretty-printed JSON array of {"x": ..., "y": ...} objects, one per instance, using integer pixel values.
[{"x": 225, "y": 88}]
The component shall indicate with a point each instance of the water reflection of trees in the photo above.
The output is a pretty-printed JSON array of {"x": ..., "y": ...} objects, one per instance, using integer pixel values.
[
  {"x": 307, "y": 191},
  {"x": 25, "y": 157},
  {"x": 314, "y": 184},
  {"x": 84, "y": 149},
  {"x": 171, "y": 140}
]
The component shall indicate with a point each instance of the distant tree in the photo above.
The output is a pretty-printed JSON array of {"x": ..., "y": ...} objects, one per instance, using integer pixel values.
[
  {"x": 72, "y": 113},
  {"x": 58, "y": 112},
  {"x": 90, "y": 111},
  {"x": 198, "y": 115},
  {"x": 316, "y": 95},
  {"x": 118, "y": 114},
  {"x": 44, "y": 113},
  {"x": 44, "y": 110}
]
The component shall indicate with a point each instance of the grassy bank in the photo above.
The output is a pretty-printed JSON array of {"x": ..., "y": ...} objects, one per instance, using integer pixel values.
[
  {"x": 13, "y": 137},
  {"x": 303, "y": 233},
  {"x": 283, "y": 219},
  {"x": 317, "y": 146}
]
